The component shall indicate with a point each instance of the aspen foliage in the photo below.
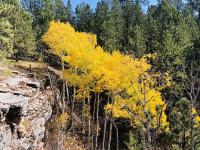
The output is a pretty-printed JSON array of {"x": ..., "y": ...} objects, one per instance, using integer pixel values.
[
  {"x": 196, "y": 118},
  {"x": 133, "y": 86},
  {"x": 60, "y": 121}
]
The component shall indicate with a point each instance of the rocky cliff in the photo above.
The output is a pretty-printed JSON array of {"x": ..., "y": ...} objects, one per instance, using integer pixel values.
[{"x": 24, "y": 110}]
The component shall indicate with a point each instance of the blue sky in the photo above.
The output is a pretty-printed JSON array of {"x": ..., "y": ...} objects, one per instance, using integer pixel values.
[
  {"x": 94, "y": 2},
  {"x": 91, "y": 2}
]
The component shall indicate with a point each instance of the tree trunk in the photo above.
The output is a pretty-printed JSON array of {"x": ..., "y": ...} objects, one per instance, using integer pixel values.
[
  {"x": 183, "y": 141},
  {"x": 72, "y": 101},
  {"x": 104, "y": 131},
  {"x": 111, "y": 123},
  {"x": 110, "y": 133},
  {"x": 67, "y": 92},
  {"x": 117, "y": 135},
  {"x": 93, "y": 119},
  {"x": 50, "y": 60},
  {"x": 16, "y": 57},
  {"x": 63, "y": 92},
  {"x": 192, "y": 131},
  {"x": 97, "y": 123},
  {"x": 83, "y": 116},
  {"x": 105, "y": 126},
  {"x": 72, "y": 104},
  {"x": 89, "y": 123}
]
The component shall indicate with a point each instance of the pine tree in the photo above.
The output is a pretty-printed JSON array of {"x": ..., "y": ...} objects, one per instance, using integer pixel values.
[
  {"x": 101, "y": 15},
  {"x": 42, "y": 13},
  {"x": 182, "y": 119},
  {"x": 168, "y": 35},
  {"x": 6, "y": 31},
  {"x": 178, "y": 4},
  {"x": 23, "y": 35},
  {"x": 113, "y": 28},
  {"x": 24, "y": 38},
  {"x": 84, "y": 18},
  {"x": 6, "y": 38},
  {"x": 128, "y": 14},
  {"x": 134, "y": 33},
  {"x": 69, "y": 13},
  {"x": 194, "y": 5},
  {"x": 59, "y": 10},
  {"x": 152, "y": 32},
  {"x": 131, "y": 142},
  {"x": 192, "y": 53}
]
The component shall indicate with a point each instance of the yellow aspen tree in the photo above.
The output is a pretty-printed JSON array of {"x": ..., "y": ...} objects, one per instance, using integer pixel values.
[{"x": 133, "y": 90}]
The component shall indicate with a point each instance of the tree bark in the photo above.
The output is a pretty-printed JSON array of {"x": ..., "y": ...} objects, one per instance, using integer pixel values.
[
  {"x": 117, "y": 135},
  {"x": 72, "y": 104},
  {"x": 110, "y": 133},
  {"x": 183, "y": 141},
  {"x": 63, "y": 92},
  {"x": 111, "y": 123},
  {"x": 93, "y": 119},
  {"x": 97, "y": 123},
  {"x": 16, "y": 57},
  {"x": 83, "y": 115},
  {"x": 72, "y": 101},
  {"x": 192, "y": 131},
  {"x": 105, "y": 126},
  {"x": 89, "y": 124}
]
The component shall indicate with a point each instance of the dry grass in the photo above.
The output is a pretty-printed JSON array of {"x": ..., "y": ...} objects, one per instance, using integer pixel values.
[
  {"x": 29, "y": 64},
  {"x": 73, "y": 142},
  {"x": 6, "y": 68},
  {"x": 9, "y": 66},
  {"x": 38, "y": 69}
]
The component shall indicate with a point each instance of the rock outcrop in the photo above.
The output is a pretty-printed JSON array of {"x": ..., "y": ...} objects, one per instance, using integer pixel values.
[{"x": 24, "y": 110}]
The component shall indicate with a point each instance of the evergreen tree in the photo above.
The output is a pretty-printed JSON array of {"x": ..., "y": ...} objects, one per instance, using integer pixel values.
[
  {"x": 168, "y": 35},
  {"x": 195, "y": 7},
  {"x": 134, "y": 33},
  {"x": 128, "y": 14},
  {"x": 152, "y": 30},
  {"x": 131, "y": 142},
  {"x": 84, "y": 18},
  {"x": 69, "y": 13},
  {"x": 42, "y": 13},
  {"x": 23, "y": 35},
  {"x": 113, "y": 28},
  {"x": 6, "y": 31},
  {"x": 59, "y": 10},
  {"x": 178, "y": 4},
  {"x": 182, "y": 121},
  {"x": 24, "y": 39},
  {"x": 192, "y": 22},
  {"x": 192, "y": 53},
  {"x": 6, "y": 38},
  {"x": 101, "y": 15}
]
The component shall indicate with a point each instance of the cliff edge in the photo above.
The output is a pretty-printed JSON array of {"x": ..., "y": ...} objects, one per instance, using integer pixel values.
[{"x": 24, "y": 111}]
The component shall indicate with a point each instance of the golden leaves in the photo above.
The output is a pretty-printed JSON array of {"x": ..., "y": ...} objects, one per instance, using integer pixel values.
[
  {"x": 196, "y": 117},
  {"x": 134, "y": 88}
]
